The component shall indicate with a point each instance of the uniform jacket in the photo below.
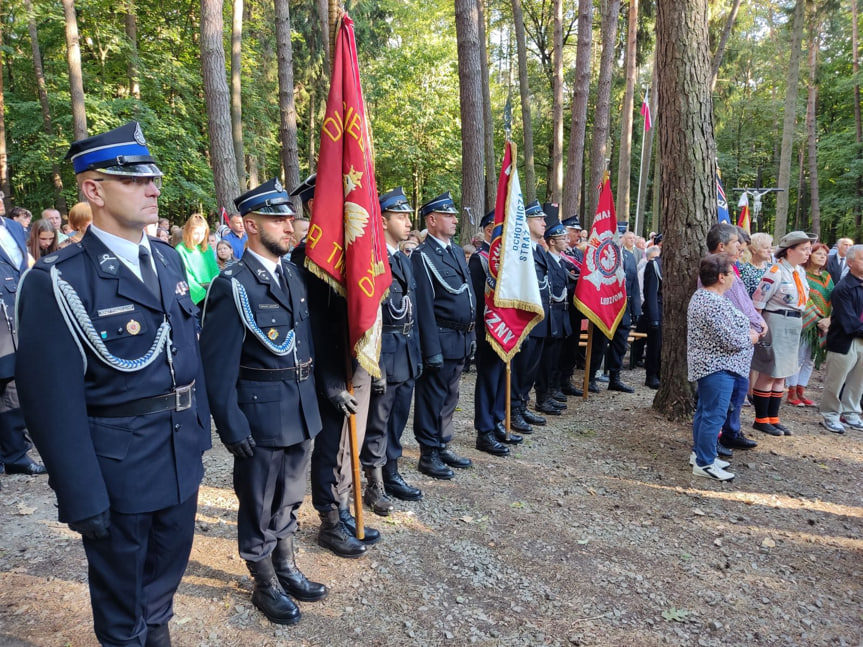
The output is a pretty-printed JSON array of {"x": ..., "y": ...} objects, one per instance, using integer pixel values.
[
  {"x": 137, "y": 463},
  {"x": 652, "y": 305},
  {"x": 9, "y": 276},
  {"x": 846, "y": 320},
  {"x": 400, "y": 352},
  {"x": 274, "y": 413},
  {"x": 477, "y": 266},
  {"x": 633, "y": 294},
  {"x": 433, "y": 267},
  {"x": 540, "y": 263},
  {"x": 558, "y": 279}
]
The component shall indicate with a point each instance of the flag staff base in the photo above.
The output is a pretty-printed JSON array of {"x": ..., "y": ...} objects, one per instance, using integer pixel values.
[
  {"x": 508, "y": 398},
  {"x": 355, "y": 451},
  {"x": 587, "y": 359}
]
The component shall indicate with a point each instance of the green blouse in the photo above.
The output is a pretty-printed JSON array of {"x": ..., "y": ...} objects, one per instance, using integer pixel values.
[{"x": 201, "y": 268}]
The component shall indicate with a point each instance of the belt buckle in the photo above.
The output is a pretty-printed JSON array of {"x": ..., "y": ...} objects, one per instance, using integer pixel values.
[
  {"x": 406, "y": 328},
  {"x": 304, "y": 371},
  {"x": 183, "y": 397},
  {"x": 471, "y": 326}
]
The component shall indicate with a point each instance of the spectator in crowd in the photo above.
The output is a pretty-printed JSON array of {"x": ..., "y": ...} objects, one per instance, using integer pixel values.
[
  {"x": 781, "y": 298},
  {"x": 651, "y": 319},
  {"x": 42, "y": 240},
  {"x": 843, "y": 382},
  {"x": 198, "y": 257},
  {"x": 836, "y": 264},
  {"x": 22, "y": 216},
  {"x": 224, "y": 254},
  {"x": 301, "y": 228},
  {"x": 629, "y": 244},
  {"x": 237, "y": 237},
  {"x": 719, "y": 347},
  {"x": 162, "y": 234},
  {"x": 761, "y": 255},
  {"x": 468, "y": 251},
  {"x": 80, "y": 218},
  {"x": 407, "y": 247},
  {"x": 57, "y": 220},
  {"x": 816, "y": 321}
]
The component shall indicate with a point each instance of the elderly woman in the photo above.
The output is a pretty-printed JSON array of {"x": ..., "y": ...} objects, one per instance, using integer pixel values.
[
  {"x": 198, "y": 257},
  {"x": 760, "y": 251},
  {"x": 816, "y": 321},
  {"x": 781, "y": 298},
  {"x": 718, "y": 348}
]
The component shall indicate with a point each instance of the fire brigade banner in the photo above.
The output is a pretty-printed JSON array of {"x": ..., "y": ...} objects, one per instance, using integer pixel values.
[
  {"x": 345, "y": 245},
  {"x": 512, "y": 301},
  {"x": 601, "y": 291}
]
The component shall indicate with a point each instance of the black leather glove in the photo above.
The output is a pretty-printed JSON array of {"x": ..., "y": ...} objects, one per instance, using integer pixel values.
[
  {"x": 471, "y": 353},
  {"x": 654, "y": 325},
  {"x": 379, "y": 385},
  {"x": 434, "y": 363},
  {"x": 242, "y": 449},
  {"x": 95, "y": 527},
  {"x": 345, "y": 402}
]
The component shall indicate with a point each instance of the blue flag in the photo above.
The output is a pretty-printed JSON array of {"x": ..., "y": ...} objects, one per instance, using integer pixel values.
[{"x": 722, "y": 203}]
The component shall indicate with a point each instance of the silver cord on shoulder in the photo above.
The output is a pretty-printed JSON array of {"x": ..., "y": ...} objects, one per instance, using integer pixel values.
[{"x": 241, "y": 299}]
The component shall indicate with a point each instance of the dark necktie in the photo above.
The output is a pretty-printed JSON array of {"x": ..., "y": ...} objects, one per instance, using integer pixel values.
[
  {"x": 148, "y": 274},
  {"x": 280, "y": 280}
]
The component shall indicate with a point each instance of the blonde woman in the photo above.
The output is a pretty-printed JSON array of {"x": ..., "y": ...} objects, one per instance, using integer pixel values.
[{"x": 198, "y": 257}]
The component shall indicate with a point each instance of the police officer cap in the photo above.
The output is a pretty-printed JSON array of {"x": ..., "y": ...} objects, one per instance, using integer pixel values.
[
  {"x": 441, "y": 204},
  {"x": 554, "y": 229},
  {"x": 395, "y": 200},
  {"x": 487, "y": 220},
  {"x": 306, "y": 190},
  {"x": 534, "y": 210},
  {"x": 657, "y": 239},
  {"x": 793, "y": 238},
  {"x": 572, "y": 223},
  {"x": 122, "y": 151},
  {"x": 269, "y": 199}
]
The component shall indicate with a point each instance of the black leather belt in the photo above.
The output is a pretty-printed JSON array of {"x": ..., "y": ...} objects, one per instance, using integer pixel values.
[
  {"x": 786, "y": 313},
  {"x": 456, "y": 325},
  {"x": 180, "y": 399},
  {"x": 559, "y": 306},
  {"x": 404, "y": 329},
  {"x": 299, "y": 373}
]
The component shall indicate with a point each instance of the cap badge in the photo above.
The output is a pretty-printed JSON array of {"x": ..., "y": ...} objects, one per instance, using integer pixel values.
[
  {"x": 277, "y": 185},
  {"x": 139, "y": 135}
]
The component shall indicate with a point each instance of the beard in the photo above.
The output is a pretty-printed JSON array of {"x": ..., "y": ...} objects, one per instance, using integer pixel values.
[{"x": 273, "y": 245}]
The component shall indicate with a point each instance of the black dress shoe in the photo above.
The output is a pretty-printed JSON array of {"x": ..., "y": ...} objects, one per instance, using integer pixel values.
[
  {"x": 518, "y": 423},
  {"x": 738, "y": 442},
  {"x": 652, "y": 383},
  {"x": 559, "y": 396},
  {"x": 593, "y": 387},
  {"x": 547, "y": 408},
  {"x": 785, "y": 430},
  {"x": 485, "y": 442},
  {"x": 395, "y": 486},
  {"x": 334, "y": 536},
  {"x": 500, "y": 435},
  {"x": 569, "y": 389},
  {"x": 452, "y": 459},
  {"x": 431, "y": 464},
  {"x": 26, "y": 466},
  {"x": 617, "y": 385},
  {"x": 532, "y": 419},
  {"x": 767, "y": 428},
  {"x": 723, "y": 451},
  {"x": 269, "y": 597},
  {"x": 550, "y": 401},
  {"x": 371, "y": 535}
]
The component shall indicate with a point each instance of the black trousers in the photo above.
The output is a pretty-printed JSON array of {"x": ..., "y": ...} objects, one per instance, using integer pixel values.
[
  {"x": 571, "y": 354},
  {"x": 136, "y": 570},
  {"x": 612, "y": 350},
  {"x": 653, "y": 351},
  {"x": 489, "y": 398},
  {"x": 435, "y": 400},
  {"x": 270, "y": 487},
  {"x": 524, "y": 368},
  {"x": 14, "y": 444},
  {"x": 388, "y": 416},
  {"x": 548, "y": 373}
]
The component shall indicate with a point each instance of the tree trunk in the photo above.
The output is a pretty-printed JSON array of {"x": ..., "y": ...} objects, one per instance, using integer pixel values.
[
  {"x": 799, "y": 221},
  {"x": 333, "y": 13},
  {"x": 131, "y": 19},
  {"x": 723, "y": 41},
  {"x": 578, "y": 122},
  {"x": 4, "y": 156},
  {"x": 624, "y": 165},
  {"x": 599, "y": 141},
  {"x": 855, "y": 61},
  {"x": 76, "y": 78},
  {"x": 41, "y": 89},
  {"x": 323, "y": 10},
  {"x": 529, "y": 186},
  {"x": 470, "y": 102},
  {"x": 788, "y": 122},
  {"x": 688, "y": 192},
  {"x": 290, "y": 153},
  {"x": 556, "y": 175},
  {"x": 811, "y": 125},
  {"x": 218, "y": 104},
  {"x": 488, "y": 120},
  {"x": 236, "y": 90}
]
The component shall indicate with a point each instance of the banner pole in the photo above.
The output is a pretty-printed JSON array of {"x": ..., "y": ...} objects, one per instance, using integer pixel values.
[
  {"x": 355, "y": 451},
  {"x": 587, "y": 357},
  {"x": 508, "y": 396}
]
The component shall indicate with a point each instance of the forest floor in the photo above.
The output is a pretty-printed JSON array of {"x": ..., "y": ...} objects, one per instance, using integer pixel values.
[{"x": 594, "y": 532}]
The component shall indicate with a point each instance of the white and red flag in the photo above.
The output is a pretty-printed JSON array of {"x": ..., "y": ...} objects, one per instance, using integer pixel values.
[
  {"x": 743, "y": 218},
  {"x": 645, "y": 112}
]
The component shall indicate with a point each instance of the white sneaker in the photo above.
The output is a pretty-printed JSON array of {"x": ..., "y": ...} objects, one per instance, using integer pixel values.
[
  {"x": 721, "y": 464},
  {"x": 852, "y": 421},
  {"x": 712, "y": 472}
]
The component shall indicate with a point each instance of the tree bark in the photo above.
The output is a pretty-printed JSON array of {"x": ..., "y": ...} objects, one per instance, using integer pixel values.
[
  {"x": 470, "y": 102},
  {"x": 688, "y": 191},
  {"x": 624, "y": 164},
  {"x": 646, "y": 158},
  {"x": 556, "y": 175},
  {"x": 488, "y": 120},
  {"x": 236, "y": 90},
  {"x": 131, "y": 20},
  {"x": 723, "y": 41},
  {"x": 858, "y": 122},
  {"x": 4, "y": 156},
  {"x": 811, "y": 125},
  {"x": 76, "y": 77},
  {"x": 524, "y": 92},
  {"x": 218, "y": 104},
  {"x": 578, "y": 121},
  {"x": 290, "y": 154},
  {"x": 788, "y": 122},
  {"x": 599, "y": 140}
]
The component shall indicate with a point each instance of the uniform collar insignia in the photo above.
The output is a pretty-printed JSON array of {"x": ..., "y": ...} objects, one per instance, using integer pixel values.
[
  {"x": 50, "y": 259},
  {"x": 109, "y": 264}
]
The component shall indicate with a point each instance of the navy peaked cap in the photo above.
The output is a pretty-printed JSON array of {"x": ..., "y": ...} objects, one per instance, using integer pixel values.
[
  {"x": 306, "y": 190},
  {"x": 395, "y": 200},
  {"x": 534, "y": 210},
  {"x": 487, "y": 219},
  {"x": 572, "y": 222},
  {"x": 441, "y": 204},
  {"x": 270, "y": 199},
  {"x": 122, "y": 151}
]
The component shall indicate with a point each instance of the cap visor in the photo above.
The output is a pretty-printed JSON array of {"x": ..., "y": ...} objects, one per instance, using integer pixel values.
[{"x": 137, "y": 170}]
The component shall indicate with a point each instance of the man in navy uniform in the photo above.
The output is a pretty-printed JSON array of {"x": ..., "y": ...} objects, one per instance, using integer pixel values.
[
  {"x": 489, "y": 398},
  {"x": 14, "y": 444},
  {"x": 256, "y": 346},
  {"x": 651, "y": 319},
  {"x": 111, "y": 320},
  {"x": 331, "y": 472},
  {"x": 571, "y": 354},
  {"x": 401, "y": 364},
  {"x": 446, "y": 305}
]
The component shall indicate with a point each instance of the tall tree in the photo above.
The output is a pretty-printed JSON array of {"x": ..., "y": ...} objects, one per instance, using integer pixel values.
[
  {"x": 217, "y": 99},
  {"x": 788, "y": 122},
  {"x": 578, "y": 122},
  {"x": 287, "y": 110},
  {"x": 556, "y": 175},
  {"x": 811, "y": 125},
  {"x": 624, "y": 165},
  {"x": 524, "y": 93},
  {"x": 470, "y": 102},
  {"x": 4, "y": 158},
  {"x": 131, "y": 22},
  {"x": 688, "y": 186},
  {"x": 858, "y": 122},
  {"x": 237, "y": 89},
  {"x": 599, "y": 140},
  {"x": 723, "y": 41},
  {"x": 488, "y": 120},
  {"x": 76, "y": 76}
]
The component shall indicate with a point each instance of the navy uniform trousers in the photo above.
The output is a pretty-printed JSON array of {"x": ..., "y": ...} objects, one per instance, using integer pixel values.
[{"x": 526, "y": 364}]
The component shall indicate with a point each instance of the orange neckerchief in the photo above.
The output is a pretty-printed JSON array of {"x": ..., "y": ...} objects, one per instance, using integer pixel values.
[{"x": 801, "y": 294}]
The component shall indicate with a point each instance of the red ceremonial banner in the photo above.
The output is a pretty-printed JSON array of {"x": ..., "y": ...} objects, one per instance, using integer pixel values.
[
  {"x": 345, "y": 245},
  {"x": 601, "y": 291}
]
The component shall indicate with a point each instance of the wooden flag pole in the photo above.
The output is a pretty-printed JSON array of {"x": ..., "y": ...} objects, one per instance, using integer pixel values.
[
  {"x": 508, "y": 397},
  {"x": 355, "y": 451},
  {"x": 587, "y": 355}
]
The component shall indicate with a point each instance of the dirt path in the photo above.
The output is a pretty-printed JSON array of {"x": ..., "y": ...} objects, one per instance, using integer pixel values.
[{"x": 594, "y": 533}]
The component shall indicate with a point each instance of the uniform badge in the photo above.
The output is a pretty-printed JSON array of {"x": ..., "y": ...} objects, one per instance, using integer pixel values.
[
  {"x": 50, "y": 259},
  {"x": 277, "y": 185},
  {"x": 109, "y": 263},
  {"x": 182, "y": 288},
  {"x": 133, "y": 327},
  {"x": 139, "y": 135},
  {"x": 272, "y": 334}
]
